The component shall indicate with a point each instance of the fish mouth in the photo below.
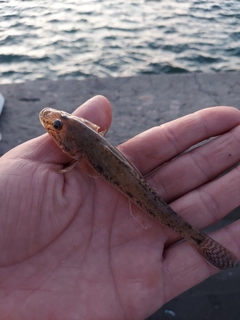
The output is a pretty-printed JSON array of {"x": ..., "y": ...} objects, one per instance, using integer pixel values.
[{"x": 45, "y": 115}]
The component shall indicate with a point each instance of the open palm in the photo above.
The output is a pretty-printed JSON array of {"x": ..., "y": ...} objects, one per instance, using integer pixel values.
[{"x": 70, "y": 248}]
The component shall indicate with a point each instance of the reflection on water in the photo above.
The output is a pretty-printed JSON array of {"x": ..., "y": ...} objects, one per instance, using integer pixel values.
[{"x": 40, "y": 39}]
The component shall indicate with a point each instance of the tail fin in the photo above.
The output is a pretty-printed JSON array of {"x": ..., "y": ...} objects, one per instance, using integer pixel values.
[{"x": 213, "y": 252}]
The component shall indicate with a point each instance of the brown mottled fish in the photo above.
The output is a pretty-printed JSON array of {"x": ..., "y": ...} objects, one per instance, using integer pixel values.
[{"x": 78, "y": 137}]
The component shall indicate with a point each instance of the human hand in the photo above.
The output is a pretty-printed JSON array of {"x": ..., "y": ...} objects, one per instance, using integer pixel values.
[{"x": 70, "y": 249}]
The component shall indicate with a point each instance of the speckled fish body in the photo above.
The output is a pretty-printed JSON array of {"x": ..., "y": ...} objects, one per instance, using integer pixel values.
[{"x": 78, "y": 137}]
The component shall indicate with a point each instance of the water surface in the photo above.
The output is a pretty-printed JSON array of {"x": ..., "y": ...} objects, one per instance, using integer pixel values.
[{"x": 43, "y": 39}]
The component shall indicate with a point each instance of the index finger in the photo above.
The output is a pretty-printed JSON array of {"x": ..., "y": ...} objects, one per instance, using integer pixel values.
[{"x": 158, "y": 145}]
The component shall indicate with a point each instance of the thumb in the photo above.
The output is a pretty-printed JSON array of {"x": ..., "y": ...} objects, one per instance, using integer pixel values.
[{"x": 43, "y": 149}]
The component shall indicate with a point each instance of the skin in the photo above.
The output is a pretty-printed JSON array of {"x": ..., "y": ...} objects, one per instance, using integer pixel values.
[
  {"x": 65, "y": 256},
  {"x": 82, "y": 141}
]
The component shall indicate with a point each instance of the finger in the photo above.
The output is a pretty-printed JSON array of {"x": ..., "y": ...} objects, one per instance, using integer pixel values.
[
  {"x": 208, "y": 204},
  {"x": 43, "y": 148},
  {"x": 201, "y": 200},
  {"x": 154, "y": 147},
  {"x": 197, "y": 167},
  {"x": 184, "y": 267},
  {"x": 97, "y": 110}
]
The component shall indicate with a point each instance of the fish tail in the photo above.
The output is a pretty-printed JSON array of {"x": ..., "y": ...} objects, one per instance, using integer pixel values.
[{"x": 213, "y": 252}]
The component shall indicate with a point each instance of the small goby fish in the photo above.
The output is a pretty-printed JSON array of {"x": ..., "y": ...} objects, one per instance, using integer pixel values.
[{"x": 78, "y": 137}]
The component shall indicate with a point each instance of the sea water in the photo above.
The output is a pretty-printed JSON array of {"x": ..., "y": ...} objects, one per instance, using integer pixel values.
[{"x": 45, "y": 39}]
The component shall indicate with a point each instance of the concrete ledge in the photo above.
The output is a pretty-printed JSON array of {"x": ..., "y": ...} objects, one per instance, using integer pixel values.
[{"x": 138, "y": 104}]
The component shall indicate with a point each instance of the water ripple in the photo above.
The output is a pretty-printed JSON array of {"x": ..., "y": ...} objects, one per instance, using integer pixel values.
[{"x": 43, "y": 39}]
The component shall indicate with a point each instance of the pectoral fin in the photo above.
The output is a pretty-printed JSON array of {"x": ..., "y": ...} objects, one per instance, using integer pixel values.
[
  {"x": 70, "y": 166},
  {"x": 102, "y": 133}
]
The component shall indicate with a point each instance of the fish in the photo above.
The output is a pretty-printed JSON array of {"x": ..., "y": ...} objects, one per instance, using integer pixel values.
[{"x": 80, "y": 138}]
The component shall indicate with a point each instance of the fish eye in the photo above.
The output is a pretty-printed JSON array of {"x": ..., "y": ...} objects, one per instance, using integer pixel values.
[{"x": 57, "y": 124}]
